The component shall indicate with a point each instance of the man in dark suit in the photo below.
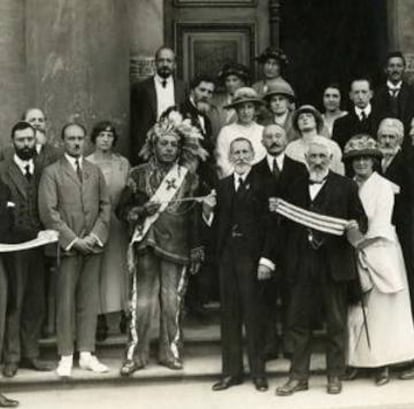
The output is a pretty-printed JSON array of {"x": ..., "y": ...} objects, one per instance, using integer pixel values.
[
  {"x": 397, "y": 166},
  {"x": 319, "y": 266},
  {"x": 244, "y": 254},
  {"x": 45, "y": 153},
  {"x": 196, "y": 107},
  {"x": 395, "y": 98},
  {"x": 7, "y": 236},
  {"x": 24, "y": 322},
  {"x": 151, "y": 97},
  {"x": 360, "y": 118},
  {"x": 277, "y": 171},
  {"x": 74, "y": 200}
]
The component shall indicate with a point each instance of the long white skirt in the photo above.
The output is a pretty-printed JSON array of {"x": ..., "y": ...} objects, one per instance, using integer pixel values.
[{"x": 390, "y": 325}]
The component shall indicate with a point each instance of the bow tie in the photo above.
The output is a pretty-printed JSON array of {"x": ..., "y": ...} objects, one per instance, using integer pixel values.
[{"x": 317, "y": 182}]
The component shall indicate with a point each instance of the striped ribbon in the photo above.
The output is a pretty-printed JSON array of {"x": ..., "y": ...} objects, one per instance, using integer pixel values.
[{"x": 316, "y": 221}]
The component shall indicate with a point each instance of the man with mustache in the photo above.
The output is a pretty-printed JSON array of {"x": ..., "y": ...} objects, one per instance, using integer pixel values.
[
  {"x": 395, "y": 97},
  {"x": 46, "y": 153},
  {"x": 244, "y": 249},
  {"x": 152, "y": 96},
  {"x": 74, "y": 200},
  {"x": 24, "y": 322},
  {"x": 318, "y": 266},
  {"x": 277, "y": 171}
]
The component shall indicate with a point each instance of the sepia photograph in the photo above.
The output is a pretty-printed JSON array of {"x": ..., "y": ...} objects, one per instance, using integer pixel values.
[{"x": 207, "y": 204}]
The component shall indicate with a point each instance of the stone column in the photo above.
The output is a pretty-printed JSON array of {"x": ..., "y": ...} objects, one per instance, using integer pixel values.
[
  {"x": 274, "y": 20},
  {"x": 78, "y": 62},
  {"x": 12, "y": 65}
]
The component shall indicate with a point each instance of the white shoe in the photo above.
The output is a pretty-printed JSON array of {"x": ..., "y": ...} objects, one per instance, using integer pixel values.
[
  {"x": 64, "y": 368},
  {"x": 91, "y": 363}
]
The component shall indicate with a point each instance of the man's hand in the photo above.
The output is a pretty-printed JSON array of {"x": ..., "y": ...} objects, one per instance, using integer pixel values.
[
  {"x": 82, "y": 246},
  {"x": 209, "y": 203},
  {"x": 134, "y": 214},
  {"x": 273, "y": 204},
  {"x": 151, "y": 208},
  {"x": 352, "y": 224},
  {"x": 263, "y": 272},
  {"x": 48, "y": 234},
  {"x": 196, "y": 258},
  {"x": 91, "y": 242}
]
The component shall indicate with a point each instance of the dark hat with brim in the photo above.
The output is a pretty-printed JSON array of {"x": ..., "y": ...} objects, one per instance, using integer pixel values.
[
  {"x": 282, "y": 87},
  {"x": 242, "y": 95},
  {"x": 271, "y": 52},
  {"x": 361, "y": 145},
  {"x": 239, "y": 70},
  {"x": 307, "y": 109}
]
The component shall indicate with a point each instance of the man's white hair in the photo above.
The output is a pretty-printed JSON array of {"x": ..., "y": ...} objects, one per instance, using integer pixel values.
[
  {"x": 320, "y": 141},
  {"x": 393, "y": 126}
]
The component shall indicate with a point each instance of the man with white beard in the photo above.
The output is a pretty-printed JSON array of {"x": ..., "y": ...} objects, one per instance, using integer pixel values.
[{"x": 319, "y": 265}]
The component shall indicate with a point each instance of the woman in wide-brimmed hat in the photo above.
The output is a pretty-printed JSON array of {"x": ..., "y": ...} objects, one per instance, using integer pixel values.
[
  {"x": 307, "y": 122},
  {"x": 245, "y": 102},
  {"x": 381, "y": 271},
  {"x": 274, "y": 62},
  {"x": 231, "y": 77}
]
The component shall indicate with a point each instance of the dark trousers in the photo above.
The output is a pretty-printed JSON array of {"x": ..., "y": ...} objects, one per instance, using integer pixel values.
[
  {"x": 77, "y": 303},
  {"x": 25, "y": 317},
  {"x": 240, "y": 304},
  {"x": 3, "y": 301},
  {"x": 307, "y": 294}
]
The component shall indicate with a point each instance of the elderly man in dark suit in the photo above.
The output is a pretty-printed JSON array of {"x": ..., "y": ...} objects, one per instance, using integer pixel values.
[
  {"x": 74, "y": 200},
  {"x": 395, "y": 97},
  {"x": 360, "y": 118},
  {"x": 45, "y": 153},
  {"x": 151, "y": 97},
  {"x": 319, "y": 266},
  {"x": 244, "y": 253},
  {"x": 277, "y": 171},
  {"x": 23, "y": 326}
]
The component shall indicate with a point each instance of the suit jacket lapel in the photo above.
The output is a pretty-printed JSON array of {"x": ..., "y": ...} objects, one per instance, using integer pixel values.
[
  {"x": 69, "y": 171},
  {"x": 18, "y": 178}
]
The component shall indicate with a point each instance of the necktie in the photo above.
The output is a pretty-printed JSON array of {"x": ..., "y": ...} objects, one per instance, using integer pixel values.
[
  {"x": 239, "y": 183},
  {"x": 276, "y": 170},
  {"x": 78, "y": 170},
  {"x": 28, "y": 175},
  {"x": 363, "y": 116},
  {"x": 164, "y": 83}
]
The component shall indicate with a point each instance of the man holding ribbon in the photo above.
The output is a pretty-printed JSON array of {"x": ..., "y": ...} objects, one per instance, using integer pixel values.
[
  {"x": 159, "y": 205},
  {"x": 319, "y": 263}
]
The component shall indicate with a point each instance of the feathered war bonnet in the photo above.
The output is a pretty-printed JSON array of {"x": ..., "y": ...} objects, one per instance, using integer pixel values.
[{"x": 189, "y": 137}]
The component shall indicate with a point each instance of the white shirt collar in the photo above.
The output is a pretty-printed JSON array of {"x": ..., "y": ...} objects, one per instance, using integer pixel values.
[
  {"x": 280, "y": 160},
  {"x": 367, "y": 111},
  {"x": 237, "y": 177},
  {"x": 393, "y": 87},
  {"x": 73, "y": 160},
  {"x": 23, "y": 163}
]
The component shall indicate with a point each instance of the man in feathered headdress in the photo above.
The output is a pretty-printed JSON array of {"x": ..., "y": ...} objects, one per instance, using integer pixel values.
[{"x": 159, "y": 208}]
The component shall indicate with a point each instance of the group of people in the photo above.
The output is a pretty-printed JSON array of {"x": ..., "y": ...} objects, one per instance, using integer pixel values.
[{"x": 288, "y": 210}]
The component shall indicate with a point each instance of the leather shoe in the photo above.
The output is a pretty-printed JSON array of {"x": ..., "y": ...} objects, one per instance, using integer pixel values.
[
  {"x": 37, "y": 365},
  {"x": 7, "y": 403},
  {"x": 334, "y": 385},
  {"x": 382, "y": 376},
  {"x": 175, "y": 364},
  {"x": 292, "y": 386},
  {"x": 129, "y": 367},
  {"x": 10, "y": 369},
  {"x": 351, "y": 374},
  {"x": 227, "y": 382},
  {"x": 407, "y": 374},
  {"x": 261, "y": 384}
]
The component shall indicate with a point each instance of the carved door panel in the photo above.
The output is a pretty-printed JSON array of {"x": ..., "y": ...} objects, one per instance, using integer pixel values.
[{"x": 209, "y": 33}]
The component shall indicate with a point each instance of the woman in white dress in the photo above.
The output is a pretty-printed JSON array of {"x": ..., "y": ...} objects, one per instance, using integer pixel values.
[
  {"x": 113, "y": 274},
  {"x": 245, "y": 103},
  {"x": 382, "y": 273}
]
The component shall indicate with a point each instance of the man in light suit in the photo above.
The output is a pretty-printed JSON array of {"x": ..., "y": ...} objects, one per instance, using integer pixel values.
[
  {"x": 24, "y": 321},
  {"x": 73, "y": 199},
  {"x": 151, "y": 97}
]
